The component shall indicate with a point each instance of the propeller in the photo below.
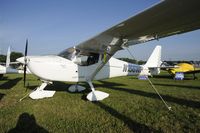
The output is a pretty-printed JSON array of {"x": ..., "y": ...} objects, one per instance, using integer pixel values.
[{"x": 25, "y": 61}]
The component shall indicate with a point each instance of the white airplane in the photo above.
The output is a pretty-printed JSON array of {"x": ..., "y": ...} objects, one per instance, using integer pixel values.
[
  {"x": 7, "y": 69},
  {"x": 92, "y": 59}
]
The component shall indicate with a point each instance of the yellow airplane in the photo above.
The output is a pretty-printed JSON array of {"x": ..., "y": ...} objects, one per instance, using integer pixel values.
[{"x": 184, "y": 68}]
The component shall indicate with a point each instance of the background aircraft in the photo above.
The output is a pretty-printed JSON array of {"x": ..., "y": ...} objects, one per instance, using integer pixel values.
[
  {"x": 92, "y": 59},
  {"x": 7, "y": 69},
  {"x": 184, "y": 68}
]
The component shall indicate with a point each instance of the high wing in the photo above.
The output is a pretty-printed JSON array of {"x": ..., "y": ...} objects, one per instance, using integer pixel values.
[{"x": 169, "y": 17}]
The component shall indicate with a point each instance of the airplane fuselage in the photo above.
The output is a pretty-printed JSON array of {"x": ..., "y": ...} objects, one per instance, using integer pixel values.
[{"x": 56, "y": 68}]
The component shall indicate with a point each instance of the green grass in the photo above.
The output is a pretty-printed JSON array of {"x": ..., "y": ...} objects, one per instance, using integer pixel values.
[{"x": 132, "y": 106}]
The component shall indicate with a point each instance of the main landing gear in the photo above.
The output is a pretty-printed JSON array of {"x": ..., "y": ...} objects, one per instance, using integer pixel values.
[
  {"x": 93, "y": 95},
  {"x": 96, "y": 95}
]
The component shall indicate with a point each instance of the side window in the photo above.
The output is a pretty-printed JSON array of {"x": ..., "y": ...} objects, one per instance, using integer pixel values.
[
  {"x": 81, "y": 60},
  {"x": 86, "y": 60},
  {"x": 93, "y": 59}
]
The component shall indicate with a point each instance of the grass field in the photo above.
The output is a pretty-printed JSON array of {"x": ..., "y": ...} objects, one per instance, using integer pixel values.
[{"x": 133, "y": 106}]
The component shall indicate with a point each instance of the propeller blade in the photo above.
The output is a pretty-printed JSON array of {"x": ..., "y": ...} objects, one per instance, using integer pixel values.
[
  {"x": 25, "y": 61},
  {"x": 26, "y": 49},
  {"x": 25, "y": 75}
]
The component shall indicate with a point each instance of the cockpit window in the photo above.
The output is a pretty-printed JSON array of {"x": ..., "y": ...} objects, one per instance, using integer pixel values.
[
  {"x": 79, "y": 57},
  {"x": 86, "y": 59},
  {"x": 68, "y": 53}
]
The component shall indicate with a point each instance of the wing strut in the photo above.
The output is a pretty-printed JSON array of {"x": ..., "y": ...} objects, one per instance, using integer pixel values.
[
  {"x": 115, "y": 45},
  {"x": 97, "y": 95}
]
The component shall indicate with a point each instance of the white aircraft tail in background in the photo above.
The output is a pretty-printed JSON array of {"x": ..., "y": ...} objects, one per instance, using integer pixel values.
[
  {"x": 7, "y": 69},
  {"x": 152, "y": 66},
  {"x": 8, "y": 58}
]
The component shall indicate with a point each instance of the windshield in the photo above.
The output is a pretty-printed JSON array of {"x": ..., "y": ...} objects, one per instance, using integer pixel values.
[
  {"x": 68, "y": 53},
  {"x": 80, "y": 58}
]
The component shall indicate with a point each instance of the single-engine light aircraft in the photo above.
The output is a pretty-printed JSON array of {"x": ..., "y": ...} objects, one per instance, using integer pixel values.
[
  {"x": 92, "y": 59},
  {"x": 184, "y": 68}
]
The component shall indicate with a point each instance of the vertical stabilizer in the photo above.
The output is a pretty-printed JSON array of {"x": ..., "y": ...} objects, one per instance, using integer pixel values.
[
  {"x": 154, "y": 60},
  {"x": 152, "y": 67},
  {"x": 8, "y": 58}
]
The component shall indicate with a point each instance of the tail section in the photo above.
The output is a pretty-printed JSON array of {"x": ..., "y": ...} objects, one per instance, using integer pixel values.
[
  {"x": 154, "y": 60},
  {"x": 3, "y": 69},
  {"x": 152, "y": 67},
  {"x": 7, "y": 68},
  {"x": 8, "y": 58}
]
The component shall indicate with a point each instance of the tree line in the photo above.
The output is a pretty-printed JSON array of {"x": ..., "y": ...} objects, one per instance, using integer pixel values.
[{"x": 13, "y": 56}]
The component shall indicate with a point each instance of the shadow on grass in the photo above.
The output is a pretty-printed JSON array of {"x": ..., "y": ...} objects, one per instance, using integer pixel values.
[
  {"x": 186, "y": 77},
  {"x": 27, "y": 124},
  {"x": 61, "y": 86},
  {"x": 104, "y": 83},
  {"x": 132, "y": 125},
  {"x": 180, "y": 101},
  {"x": 164, "y": 76},
  {"x": 178, "y": 85},
  {"x": 10, "y": 83},
  {"x": 56, "y": 86},
  {"x": 4, "y": 78},
  {"x": 1, "y": 96}
]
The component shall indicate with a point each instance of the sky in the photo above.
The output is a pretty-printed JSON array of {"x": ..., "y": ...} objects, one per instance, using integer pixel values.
[{"x": 54, "y": 25}]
